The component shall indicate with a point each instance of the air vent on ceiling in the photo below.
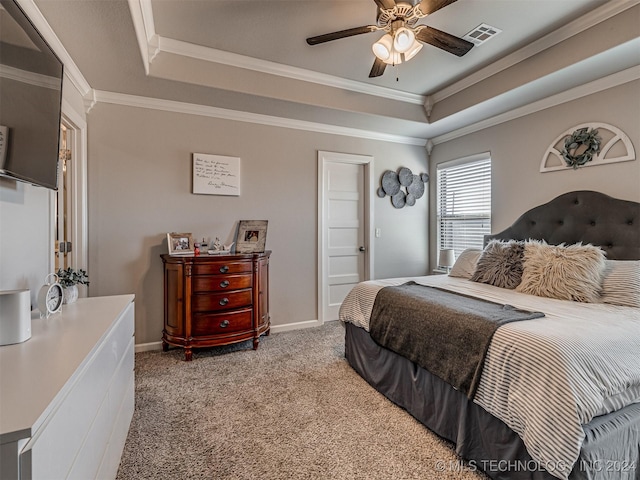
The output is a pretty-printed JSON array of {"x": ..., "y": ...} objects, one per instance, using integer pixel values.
[{"x": 481, "y": 34}]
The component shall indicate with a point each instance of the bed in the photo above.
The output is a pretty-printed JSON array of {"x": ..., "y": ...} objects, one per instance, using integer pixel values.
[{"x": 558, "y": 396}]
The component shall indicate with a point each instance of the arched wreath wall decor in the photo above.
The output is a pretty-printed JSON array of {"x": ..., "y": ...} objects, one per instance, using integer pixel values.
[
  {"x": 392, "y": 183},
  {"x": 588, "y": 145}
]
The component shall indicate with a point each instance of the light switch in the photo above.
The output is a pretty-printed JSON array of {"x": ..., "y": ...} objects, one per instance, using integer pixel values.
[{"x": 378, "y": 233}]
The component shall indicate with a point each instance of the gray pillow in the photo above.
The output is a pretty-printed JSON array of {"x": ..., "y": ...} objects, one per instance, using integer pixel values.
[{"x": 500, "y": 264}]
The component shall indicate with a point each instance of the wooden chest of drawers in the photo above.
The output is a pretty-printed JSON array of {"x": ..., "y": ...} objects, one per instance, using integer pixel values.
[{"x": 212, "y": 300}]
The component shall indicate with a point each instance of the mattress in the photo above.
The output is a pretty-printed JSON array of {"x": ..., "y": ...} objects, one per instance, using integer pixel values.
[{"x": 544, "y": 378}]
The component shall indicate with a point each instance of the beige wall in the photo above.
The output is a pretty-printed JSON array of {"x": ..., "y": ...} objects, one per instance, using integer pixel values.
[
  {"x": 517, "y": 148},
  {"x": 140, "y": 188}
]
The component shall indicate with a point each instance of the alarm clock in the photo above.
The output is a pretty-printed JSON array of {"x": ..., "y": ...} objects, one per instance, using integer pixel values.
[{"x": 50, "y": 296}]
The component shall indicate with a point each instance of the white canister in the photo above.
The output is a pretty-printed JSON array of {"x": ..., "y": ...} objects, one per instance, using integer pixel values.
[{"x": 15, "y": 316}]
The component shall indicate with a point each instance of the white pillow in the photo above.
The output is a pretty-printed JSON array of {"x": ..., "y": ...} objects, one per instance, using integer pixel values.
[
  {"x": 621, "y": 283},
  {"x": 465, "y": 264}
]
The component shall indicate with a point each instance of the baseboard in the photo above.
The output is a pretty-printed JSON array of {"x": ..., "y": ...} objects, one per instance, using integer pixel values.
[
  {"x": 295, "y": 326},
  {"x": 147, "y": 347}
]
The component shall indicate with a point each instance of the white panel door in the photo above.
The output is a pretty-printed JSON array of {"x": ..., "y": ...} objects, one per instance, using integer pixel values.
[{"x": 344, "y": 238}]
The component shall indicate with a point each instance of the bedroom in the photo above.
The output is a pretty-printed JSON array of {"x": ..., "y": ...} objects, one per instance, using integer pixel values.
[{"x": 139, "y": 172}]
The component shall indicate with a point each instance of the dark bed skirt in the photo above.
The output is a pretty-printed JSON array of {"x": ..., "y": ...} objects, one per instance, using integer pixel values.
[{"x": 611, "y": 449}]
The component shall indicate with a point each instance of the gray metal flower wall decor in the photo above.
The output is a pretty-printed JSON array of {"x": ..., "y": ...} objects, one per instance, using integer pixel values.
[{"x": 392, "y": 183}]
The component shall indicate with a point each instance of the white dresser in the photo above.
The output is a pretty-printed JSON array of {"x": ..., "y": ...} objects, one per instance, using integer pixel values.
[{"x": 67, "y": 394}]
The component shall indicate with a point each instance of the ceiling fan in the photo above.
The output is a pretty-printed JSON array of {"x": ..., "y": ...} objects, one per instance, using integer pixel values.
[{"x": 403, "y": 37}]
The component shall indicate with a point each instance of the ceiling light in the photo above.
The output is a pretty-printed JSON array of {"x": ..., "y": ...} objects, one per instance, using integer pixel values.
[
  {"x": 411, "y": 52},
  {"x": 403, "y": 39},
  {"x": 395, "y": 58},
  {"x": 383, "y": 47}
]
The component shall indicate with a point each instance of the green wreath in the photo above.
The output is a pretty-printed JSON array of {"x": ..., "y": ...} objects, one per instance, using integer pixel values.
[{"x": 584, "y": 141}]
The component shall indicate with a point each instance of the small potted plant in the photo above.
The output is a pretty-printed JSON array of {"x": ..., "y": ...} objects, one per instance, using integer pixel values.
[{"x": 69, "y": 280}]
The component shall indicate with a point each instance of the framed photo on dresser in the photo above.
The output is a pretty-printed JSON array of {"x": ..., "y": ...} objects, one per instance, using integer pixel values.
[
  {"x": 252, "y": 236},
  {"x": 180, "y": 243}
]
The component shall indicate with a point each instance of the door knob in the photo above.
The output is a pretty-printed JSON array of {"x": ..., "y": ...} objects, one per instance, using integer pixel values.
[{"x": 362, "y": 249}]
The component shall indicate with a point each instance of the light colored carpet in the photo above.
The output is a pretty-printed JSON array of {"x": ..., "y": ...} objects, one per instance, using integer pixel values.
[{"x": 293, "y": 409}]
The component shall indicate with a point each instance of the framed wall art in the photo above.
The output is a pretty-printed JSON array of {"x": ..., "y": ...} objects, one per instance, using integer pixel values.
[
  {"x": 252, "y": 236},
  {"x": 216, "y": 174},
  {"x": 180, "y": 243}
]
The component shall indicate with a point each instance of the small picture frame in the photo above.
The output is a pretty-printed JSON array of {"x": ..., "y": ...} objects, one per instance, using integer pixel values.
[
  {"x": 252, "y": 236},
  {"x": 180, "y": 243}
]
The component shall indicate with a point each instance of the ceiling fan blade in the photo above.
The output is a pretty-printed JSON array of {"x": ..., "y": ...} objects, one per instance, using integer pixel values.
[
  {"x": 427, "y": 7},
  {"x": 327, "y": 37},
  {"x": 386, "y": 4},
  {"x": 445, "y": 41},
  {"x": 378, "y": 68}
]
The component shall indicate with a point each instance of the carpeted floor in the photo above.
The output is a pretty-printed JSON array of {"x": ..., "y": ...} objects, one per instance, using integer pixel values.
[{"x": 293, "y": 409}]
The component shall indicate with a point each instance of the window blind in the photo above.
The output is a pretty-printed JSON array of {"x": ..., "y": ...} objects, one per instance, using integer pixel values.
[{"x": 464, "y": 204}]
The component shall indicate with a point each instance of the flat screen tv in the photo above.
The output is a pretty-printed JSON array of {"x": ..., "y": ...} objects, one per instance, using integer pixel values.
[{"x": 30, "y": 101}]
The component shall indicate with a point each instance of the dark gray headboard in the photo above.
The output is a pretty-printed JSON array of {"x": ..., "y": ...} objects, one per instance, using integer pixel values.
[{"x": 583, "y": 216}]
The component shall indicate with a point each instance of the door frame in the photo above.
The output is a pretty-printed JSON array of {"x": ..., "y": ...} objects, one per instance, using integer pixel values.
[
  {"x": 366, "y": 161},
  {"x": 78, "y": 194}
]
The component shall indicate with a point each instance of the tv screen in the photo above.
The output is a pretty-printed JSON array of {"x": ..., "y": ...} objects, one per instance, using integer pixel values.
[{"x": 30, "y": 100}]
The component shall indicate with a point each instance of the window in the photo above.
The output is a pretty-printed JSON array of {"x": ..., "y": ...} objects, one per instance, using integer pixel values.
[{"x": 464, "y": 203}]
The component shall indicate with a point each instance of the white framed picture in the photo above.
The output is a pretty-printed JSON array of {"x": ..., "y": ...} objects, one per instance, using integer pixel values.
[
  {"x": 251, "y": 236},
  {"x": 180, "y": 243},
  {"x": 216, "y": 174}
]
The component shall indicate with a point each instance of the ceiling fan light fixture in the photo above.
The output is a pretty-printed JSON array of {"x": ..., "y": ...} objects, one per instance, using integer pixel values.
[
  {"x": 403, "y": 39},
  {"x": 394, "y": 59},
  {"x": 383, "y": 47},
  {"x": 411, "y": 52}
]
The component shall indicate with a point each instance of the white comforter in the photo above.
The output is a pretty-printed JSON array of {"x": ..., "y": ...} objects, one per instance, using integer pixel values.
[{"x": 546, "y": 377}]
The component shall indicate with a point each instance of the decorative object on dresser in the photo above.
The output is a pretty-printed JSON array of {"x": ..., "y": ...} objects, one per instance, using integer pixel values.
[
  {"x": 70, "y": 279},
  {"x": 180, "y": 243},
  {"x": 50, "y": 296},
  {"x": 212, "y": 300},
  {"x": 392, "y": 183},
  {"x": 15, "y": 316},
  {"x": 251, "y": 236},
  {"x": 587, "y": 145}
]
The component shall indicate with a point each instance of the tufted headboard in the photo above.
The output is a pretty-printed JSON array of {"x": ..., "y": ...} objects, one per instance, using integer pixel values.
[{"x": 582, "y": 216}]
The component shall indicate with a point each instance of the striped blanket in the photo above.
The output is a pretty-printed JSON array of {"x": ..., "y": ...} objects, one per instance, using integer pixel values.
[{"x": 546, "y": 378}]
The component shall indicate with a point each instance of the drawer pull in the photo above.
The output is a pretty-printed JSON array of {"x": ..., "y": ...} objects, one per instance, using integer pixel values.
[
  {"x": 224, "y": 324},
  {"x": 224, "y": 283},
  {"x": 224, "y": 301},
  {"x": 224, "y": 269}
]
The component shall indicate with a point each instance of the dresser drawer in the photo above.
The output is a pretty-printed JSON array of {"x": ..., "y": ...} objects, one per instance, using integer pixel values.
[
  {"x": 221, "y": 301},
  {"x": 213, "y": 283},
  {"x": 221, "y": 323},
  {"x": 222, "y": 267}
]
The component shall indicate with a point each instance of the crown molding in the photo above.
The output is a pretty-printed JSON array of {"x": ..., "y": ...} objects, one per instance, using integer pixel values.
[
  {"x": 151, "y": 44},
  {"x": 606, "y": 11},
  {"x": 114, "y": 98},
  {"x": 71, "y": 70},
  {"x": 31, "y": 78},
  {"x": 604, "y": 83}
]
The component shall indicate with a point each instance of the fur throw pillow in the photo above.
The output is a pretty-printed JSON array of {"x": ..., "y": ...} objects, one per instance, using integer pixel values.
[
  {"x": 572, "y": 272},
  {"x": 500, "y": 264}
]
